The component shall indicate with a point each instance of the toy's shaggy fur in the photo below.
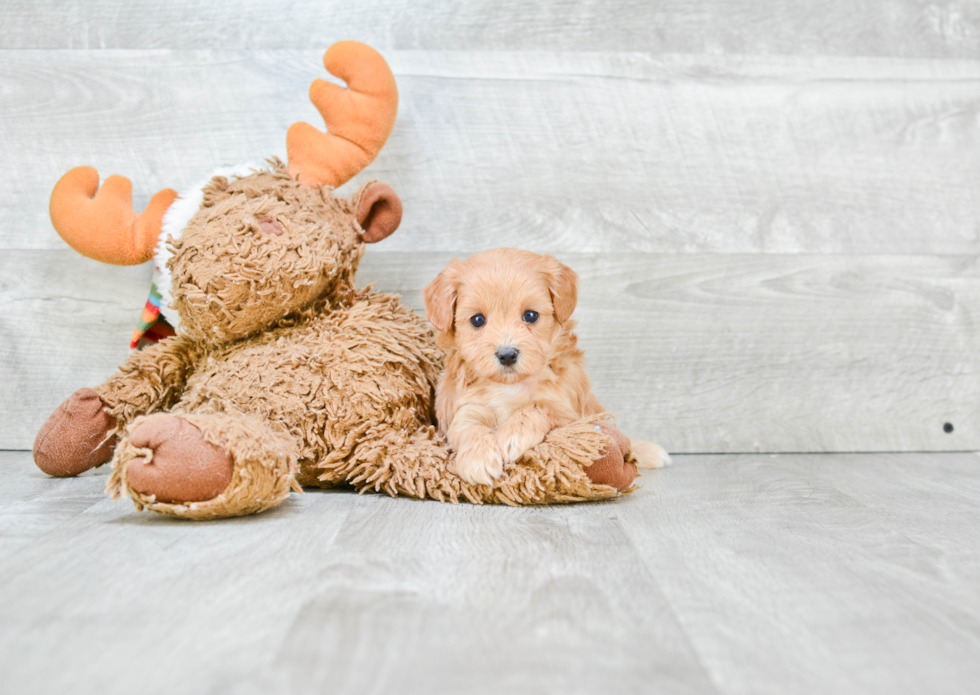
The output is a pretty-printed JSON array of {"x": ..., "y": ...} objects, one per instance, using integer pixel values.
[
  {"x": 300, "y": 377},
  {"x": 282, "y": 373}
]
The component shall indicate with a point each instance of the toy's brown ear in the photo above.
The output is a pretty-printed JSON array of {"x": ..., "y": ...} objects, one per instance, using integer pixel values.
[
  {"x": 379, "y": 211},
  {"x": 440, "y": 297},
  {"x": 563, "y": 286}
]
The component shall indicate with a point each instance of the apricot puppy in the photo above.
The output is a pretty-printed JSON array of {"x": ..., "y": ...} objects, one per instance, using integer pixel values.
[{"x": 513, "y": 368}]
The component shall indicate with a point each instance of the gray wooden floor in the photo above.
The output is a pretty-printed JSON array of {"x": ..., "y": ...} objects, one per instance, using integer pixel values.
[{"x": 818, "y": 573}]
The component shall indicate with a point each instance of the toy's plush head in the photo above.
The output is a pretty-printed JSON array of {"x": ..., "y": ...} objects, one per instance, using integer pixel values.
[
  {"x": 265, "y": 245},
  {"x": 247, "y": 250}
]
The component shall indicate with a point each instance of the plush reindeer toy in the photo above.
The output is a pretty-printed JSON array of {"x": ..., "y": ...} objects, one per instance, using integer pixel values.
[{"x": 281, "y": 373}]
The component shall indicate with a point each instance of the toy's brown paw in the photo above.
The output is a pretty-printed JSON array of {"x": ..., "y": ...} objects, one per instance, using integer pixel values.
[
  {"x": 75, "y": 436},
  {"x": 611, "y": 467},
  {"x": 183, "y": 467}
]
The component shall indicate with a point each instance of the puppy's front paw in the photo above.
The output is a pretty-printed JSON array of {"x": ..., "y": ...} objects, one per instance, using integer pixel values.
[
  {"x": 513, "y": 445},
  {"x": 480, "y": 461}
]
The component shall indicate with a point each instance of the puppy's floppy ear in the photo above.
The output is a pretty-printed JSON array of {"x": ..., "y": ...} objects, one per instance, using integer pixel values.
[
  {"x": 440, "y": 297},
  {"x": 563, "y": 286}
]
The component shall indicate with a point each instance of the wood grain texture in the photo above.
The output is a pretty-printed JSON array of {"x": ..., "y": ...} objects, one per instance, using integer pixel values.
[
  {"x": 557, "y": 151},
  {"x": 817, "y": 574},
  {"x": 65, "y": 322},
  {"x": 906, "y": 28},
  {"x": 709, "y": 353},
  {"x": 728, "y": 353},
  {"x": 333, "y": 592},
  {"x": 721, "y": 575}
]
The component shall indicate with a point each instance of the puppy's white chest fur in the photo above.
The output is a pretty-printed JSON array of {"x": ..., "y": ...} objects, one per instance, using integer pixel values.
[
  {"x": 510, "y": 397},
  {"x": 506, "y": 399}
]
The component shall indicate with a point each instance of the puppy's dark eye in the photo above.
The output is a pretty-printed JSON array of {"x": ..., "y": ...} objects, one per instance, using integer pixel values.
[
  {"x": 530, "y": 316},
  {"x": 477, "y": 320}
]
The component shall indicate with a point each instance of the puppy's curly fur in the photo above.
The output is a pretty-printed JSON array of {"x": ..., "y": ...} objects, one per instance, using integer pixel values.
[{"x": 514, "y": 370}]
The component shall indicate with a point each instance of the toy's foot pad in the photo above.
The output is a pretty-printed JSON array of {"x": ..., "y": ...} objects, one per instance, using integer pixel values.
[
  {"x": 76, "y": 436},
  {"x": 183, "y": 466},
  {"x": 611, "y": 468}
]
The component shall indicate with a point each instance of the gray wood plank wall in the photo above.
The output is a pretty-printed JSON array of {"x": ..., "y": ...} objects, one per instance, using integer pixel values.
[{"x": 773, "y": 205}]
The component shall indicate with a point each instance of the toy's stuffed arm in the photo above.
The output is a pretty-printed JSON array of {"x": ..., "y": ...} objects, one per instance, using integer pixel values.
[
  {"x": 81, "y": 433},
  {"x": 150, "y": 379}
]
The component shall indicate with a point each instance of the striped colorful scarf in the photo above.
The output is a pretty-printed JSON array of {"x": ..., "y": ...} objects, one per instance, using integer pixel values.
[{"x": 153, "y": 327}]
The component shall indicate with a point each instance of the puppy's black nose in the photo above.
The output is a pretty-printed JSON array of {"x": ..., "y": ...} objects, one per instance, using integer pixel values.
[{"x": 507, "y": 356}]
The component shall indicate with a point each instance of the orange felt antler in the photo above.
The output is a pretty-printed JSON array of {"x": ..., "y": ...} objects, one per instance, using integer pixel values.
[
  {"x": 103, "y": 225},
  {"x": 359, "y": 118}
]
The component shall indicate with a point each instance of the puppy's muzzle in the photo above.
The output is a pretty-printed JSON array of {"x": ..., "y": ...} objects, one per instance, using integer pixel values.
[{"x": 507, "y": 355}]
